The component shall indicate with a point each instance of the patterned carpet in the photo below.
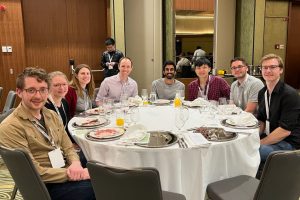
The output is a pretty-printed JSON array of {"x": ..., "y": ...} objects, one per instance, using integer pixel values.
[{"x": 6, "y": 183}]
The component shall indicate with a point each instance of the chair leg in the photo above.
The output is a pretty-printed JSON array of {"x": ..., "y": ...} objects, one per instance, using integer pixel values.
[{"x": 14, "y": 193}]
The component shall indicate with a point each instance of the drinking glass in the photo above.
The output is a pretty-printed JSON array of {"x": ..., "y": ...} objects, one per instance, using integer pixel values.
[
  {"x": 108, "y": 105},
  {"x": 152, "y": 97},
  {"x": 181, "y": 116},
  {"x": 120, "y": 118},
  {"x": 144, "y": 95},
  {"x": 180, "y": 94},
  {"x": 222, "y": 101},
  {"x": 134, "y": 114}
]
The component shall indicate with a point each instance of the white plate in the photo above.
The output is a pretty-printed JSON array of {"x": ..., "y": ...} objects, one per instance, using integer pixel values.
[
  {"x": 95, "y": 111},
  {"x": 89, "y": 121},
  {"x": 161, "y": 101},
  {"x": 241, "y": 122},
  {"x": 106, "y": 133}
]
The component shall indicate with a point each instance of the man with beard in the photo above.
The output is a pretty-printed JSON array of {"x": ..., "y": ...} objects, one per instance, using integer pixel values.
[
  {"x": 120, "y": 85},
  {"x": 244, "y": 90},
  {"x": 165, "y": 88},
  {"x": 110, "y": 58},
  {"x": 42, "y": 135}
]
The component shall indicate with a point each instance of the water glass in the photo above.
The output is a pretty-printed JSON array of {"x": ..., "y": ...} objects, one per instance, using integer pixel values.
[
  {"x": 181, "y": 116},
  {"x": 222, "y": 101},
  {"x": 108, "y": 105},
  {"x": 152, "y": 97},
  {"x": 134, "y": 114},
  {"x": 144, "y": 95}
]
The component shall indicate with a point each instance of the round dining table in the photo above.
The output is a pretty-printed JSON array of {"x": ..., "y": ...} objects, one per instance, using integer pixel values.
[{"x": 182, "y": 170}]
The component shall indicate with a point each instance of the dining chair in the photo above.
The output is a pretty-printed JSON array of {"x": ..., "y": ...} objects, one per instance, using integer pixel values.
[
  {"x": 279, "y": 181},
  {"x": 111, "y": 183},
  {"x": 10, "y": 101},
  {"x": 6, "y": 114},
  {"x": 24, "y": 174}
]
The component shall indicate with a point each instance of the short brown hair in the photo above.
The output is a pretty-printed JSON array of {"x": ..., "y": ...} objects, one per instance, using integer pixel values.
[
  {"x": 239, "y": 59},
  {"x": 272, "y": 56},
  {"x": 38, "y": 73}
]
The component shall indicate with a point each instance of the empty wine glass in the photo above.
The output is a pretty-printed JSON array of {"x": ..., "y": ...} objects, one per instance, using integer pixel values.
[
  {"x": 181, "y": 116},
  {"x": 134, "y": 114}
]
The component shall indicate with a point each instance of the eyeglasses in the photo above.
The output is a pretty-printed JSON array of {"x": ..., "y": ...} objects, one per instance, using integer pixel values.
[
  {"x": 60, "y": 85},
  {"x": 237, "y": 67},
  {"x": 33, "y": 91},
  {"x": 271, "y": 67}
]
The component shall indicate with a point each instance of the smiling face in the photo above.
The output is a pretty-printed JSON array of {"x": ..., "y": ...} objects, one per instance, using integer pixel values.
[
  {"x": 202, "y": 71},
  {"x": 270, "y": 70},
  {"x": 84, "y": 76},
  {"x": 34, "y": 95},
  {"x": 58, "y": 86},
  {"x": 125, "y": 67},
  {"x": 169, "y": 72},
  {"x": 239, "y": 69}
]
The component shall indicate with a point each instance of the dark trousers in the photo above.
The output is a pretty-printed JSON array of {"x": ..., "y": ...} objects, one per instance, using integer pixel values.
[{"x": 71, "y": 190}]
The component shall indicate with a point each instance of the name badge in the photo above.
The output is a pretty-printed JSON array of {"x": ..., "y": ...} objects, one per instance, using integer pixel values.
[
  {"x": 56, "y": 158},
  {"x": 267, "y": 129},
  {"x": 110, "y": 67}
]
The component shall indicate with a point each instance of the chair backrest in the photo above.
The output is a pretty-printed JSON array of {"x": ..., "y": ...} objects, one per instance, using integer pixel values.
[
  {"x": 24, "y": 174},
  {"x": 10, "y": 101},
  {"x": 6, "y": 114},
  {"x": 111, "y": 183},
  {"x": 281, "y": 177}
]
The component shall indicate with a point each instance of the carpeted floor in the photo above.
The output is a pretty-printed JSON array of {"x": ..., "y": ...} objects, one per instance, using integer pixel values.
[{"x": 6, "y": 183}]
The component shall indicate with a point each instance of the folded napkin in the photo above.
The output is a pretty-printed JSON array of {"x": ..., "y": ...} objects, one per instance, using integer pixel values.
[
  {"x": 196, "y": 140},
  {"x": 229, "y": 109},
  {"x": 243, "y": 119},
  {"x": 196, "y": 103},
  {"x": 137, "y": 100},
  {"x": 135, "y": 134}
]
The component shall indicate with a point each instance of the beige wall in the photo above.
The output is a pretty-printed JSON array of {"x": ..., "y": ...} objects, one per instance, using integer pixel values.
[
  {"x": 224, "y": 33},
  {"x": 117, "y": 23},
  {"x": 143, "y": 39}
]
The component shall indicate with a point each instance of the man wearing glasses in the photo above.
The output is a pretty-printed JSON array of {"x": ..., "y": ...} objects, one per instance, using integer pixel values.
[
  {"x": 279, "y": 110},
  {"x": 244, "y": 90},
  {"x": 41, "y": 133},
  {"x": 165, "y": 88}
]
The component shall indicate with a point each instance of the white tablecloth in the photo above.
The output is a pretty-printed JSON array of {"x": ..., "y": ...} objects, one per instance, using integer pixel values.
[{"x": 182, "y": 170}]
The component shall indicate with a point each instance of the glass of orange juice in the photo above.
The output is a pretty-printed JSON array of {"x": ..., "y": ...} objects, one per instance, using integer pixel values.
[{"x": 120, "y": 118}]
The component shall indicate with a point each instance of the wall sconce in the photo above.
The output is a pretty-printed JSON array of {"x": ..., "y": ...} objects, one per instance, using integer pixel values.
[{"x": 2, "y": 8}]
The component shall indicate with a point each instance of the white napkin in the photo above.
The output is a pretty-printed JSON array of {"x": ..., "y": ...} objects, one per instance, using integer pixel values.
[
  {"x": 135, "y": 134},
  {"x": 196, "y": 140},
  {"x": 229, "y": 109},
  {"x": 196, "y": 103},
  {"x": 137, "y": 100},
  {"x": 243, "y": 119}
]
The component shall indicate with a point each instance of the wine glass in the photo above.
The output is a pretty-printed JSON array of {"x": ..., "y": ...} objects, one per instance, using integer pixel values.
[
  {"x": 134, "y": 114},
  {"x": 152, "y": 97},
  {"x": 181, "y": 116}
]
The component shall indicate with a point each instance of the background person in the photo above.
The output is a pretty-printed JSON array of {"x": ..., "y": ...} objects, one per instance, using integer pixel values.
[
  {"x": 81, "y": 90},
  {"x": 111, "y": 58},
  {"x": 207, "y": 86},
  {"x": 121, "y": 84},
  {"x": 39, "y": 131},
  {"x": 244, "y": 91},
  {"x": 165, "y": 88}
]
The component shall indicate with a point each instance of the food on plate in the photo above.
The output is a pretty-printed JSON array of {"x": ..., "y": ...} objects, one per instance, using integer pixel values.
[
  {"x": 95, "y": 111},
  {"x": 106, "y": 132},
  {"x": 211, "y": 133}
]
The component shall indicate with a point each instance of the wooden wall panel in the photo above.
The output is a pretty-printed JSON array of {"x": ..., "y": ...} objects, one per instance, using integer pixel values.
[
  {"x": 11, "y": 34},
  {"x": 46, "y": 34},
  {"x": 87, "y": 30},
  {"x": 195, "y": 5}
]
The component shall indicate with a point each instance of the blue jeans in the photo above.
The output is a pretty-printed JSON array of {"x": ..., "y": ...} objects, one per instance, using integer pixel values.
[
  {"x": 71, "y": 190},
  {"x": 265, "y": 150}
]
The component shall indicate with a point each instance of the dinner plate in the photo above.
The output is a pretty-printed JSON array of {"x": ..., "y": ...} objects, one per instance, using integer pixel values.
[
  {"x": 159, "y": 139},
  {"x": 90, "y": 122},
  {"x": 161, "y": 102},
  {"x": 216, "y": 134},
  {"x": 227, "y": 123},
  {"x": 94, "y": 111},
  {"x": 106, "y": 133}
]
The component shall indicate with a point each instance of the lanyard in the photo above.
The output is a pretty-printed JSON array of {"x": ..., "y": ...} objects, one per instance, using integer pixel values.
[
  {"x": 110, "y": 58},
  {"x": 57, "y": 110},
  {"x": 205, "y": 92},
  {"x": 267, "y": 105},
  {"x": 42, "y": 130}
]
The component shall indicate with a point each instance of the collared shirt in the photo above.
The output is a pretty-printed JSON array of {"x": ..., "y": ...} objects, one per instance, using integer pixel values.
[
  {"x": 284, "y": 111},
  {"x": 241, "y": 94},
  {"x": 112, "y": 87},
  {"x": 218, "y": 87},
  {"x": 18, "y": 131},
  {"x": 115, "y": 57},
  {"x": 166, "y": 91}
]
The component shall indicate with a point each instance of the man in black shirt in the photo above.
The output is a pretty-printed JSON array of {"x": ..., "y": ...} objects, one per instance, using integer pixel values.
[
  {"x": 110, "y": 58},
  {"x": 279, "y": 110}
]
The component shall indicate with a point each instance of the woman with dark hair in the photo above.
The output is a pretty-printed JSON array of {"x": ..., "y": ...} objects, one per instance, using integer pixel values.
[
  {"x": 207, "y": 86},
  {"x": 81, "y": 90}
]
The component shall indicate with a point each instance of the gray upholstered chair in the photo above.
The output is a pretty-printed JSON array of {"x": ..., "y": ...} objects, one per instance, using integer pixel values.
[
  {"x": 111, "y": 183},
  {"x": 4, "y": 115},
  {"x": 10, "y": 101},
  {"x": 280, "y": 180},
  {"x": 24, "y": 174}
]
